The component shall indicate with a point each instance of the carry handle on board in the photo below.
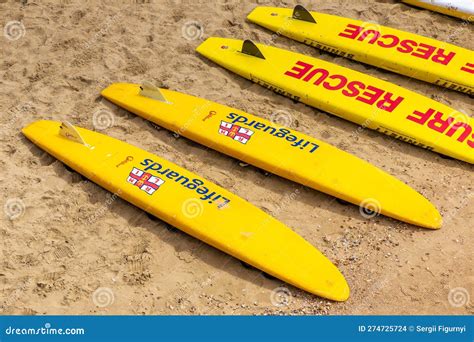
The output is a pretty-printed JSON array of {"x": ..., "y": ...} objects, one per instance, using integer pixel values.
[
  {"x": 149, "y": 90},
  {"x": 301, "y": 13},
  {"x": 70, "y": 132},
  {"x": 249, "y": 48}
]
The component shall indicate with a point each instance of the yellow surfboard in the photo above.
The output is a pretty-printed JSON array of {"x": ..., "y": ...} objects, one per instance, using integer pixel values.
[
  {"x": 192, "y": 204},
  {"x": 402, "y": 52},
  {"x": 462, "y": 9},
  {"x": 279, "y": 150},
  {"x": 365, "y": 100}
]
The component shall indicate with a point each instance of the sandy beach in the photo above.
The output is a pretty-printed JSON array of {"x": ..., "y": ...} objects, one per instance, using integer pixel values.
[{"x": 70, "y": 247}]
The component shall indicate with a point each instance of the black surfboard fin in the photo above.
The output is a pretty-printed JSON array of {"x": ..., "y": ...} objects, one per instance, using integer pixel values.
[
  {"x": 249, "y": 48},
  {"x": 301, "y": 13}
]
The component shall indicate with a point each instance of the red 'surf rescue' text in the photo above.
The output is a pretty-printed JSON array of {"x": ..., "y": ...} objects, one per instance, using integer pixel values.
[
  {"x": 391, "y": 41},
  {"x": 448, "y": 126},
  {"x": 354, "y": 89}
]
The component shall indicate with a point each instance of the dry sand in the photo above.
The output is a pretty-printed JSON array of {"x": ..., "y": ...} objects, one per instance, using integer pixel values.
[{"x": 74, "y": 249}]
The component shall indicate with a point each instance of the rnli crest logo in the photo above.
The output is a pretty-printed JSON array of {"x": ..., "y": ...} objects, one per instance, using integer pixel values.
[
  {"x": 235, "y": 132},
  {"x": 144, "y": 180}
]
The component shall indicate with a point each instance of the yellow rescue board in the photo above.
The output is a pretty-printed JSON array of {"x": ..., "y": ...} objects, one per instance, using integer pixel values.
[
  {"x": 462, "y": 9},
  {"x": 402, "y": 52},
  {"x": 192, "y": 204},
  {"x": 279, "y": 150},
  {"x": 365, "y": 100}
]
